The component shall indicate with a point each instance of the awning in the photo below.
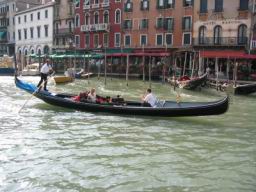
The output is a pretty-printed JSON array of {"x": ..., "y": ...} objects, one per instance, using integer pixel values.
[
  {"x": 155, "y": 54},
  {"x": 228, "y": 54}
]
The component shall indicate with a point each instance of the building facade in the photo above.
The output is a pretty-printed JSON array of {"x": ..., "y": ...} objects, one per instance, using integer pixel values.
[
  {"x": 63, "y": 24},
  {"x": 34, "y": 30},
  {"x": 98, "y": 24},
  {"x": 223, "y": 34}
]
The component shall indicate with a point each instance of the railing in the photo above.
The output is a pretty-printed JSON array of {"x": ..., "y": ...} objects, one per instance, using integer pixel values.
[
  {"x": 95, "y": 27},
  {"x": 220, "y": 41},
  {"x": 94, "y": 6},
  {"x": 86, "y": 6},
  {"x": 105, "y": 4},
  {"x": 63, "y": 31},
  {"x": 253, "y": 44}
]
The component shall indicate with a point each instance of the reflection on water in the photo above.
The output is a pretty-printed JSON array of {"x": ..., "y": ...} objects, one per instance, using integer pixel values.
[{"x": 45, "y": 148}]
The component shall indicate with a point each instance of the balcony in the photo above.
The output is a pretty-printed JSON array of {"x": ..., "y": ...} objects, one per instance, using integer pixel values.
[
  {"x": 63, "y": 31},
  {"x": 95, "y": 27},
  {"x": 253, "y": 44},
  {"x": 220, "y": 41},
  {"x": 86, "y": 7},
  {"x": 3, "y": 14},
  {"x": 105, "y": 4},
  {"x": 95, "y": 6}
]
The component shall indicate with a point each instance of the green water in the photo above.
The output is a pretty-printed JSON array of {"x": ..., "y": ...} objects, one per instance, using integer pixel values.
[{"x": 44, "y": 148}]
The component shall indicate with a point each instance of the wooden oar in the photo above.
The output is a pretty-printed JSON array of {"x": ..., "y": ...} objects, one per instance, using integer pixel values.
[{"x": 38, "y": 89}]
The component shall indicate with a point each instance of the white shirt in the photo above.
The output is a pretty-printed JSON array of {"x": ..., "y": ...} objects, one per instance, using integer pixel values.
[
  {"x": 92, "y": 97},
  {"x": 151, "y": 99},
  {"x": 46, "y": 68}
]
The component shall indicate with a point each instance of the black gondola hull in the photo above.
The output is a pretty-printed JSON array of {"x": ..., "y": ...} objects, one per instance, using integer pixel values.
[{"x": 164, "y": 109}]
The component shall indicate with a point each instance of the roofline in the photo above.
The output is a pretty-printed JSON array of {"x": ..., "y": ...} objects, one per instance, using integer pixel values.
[{"x": 36, "y": 8}]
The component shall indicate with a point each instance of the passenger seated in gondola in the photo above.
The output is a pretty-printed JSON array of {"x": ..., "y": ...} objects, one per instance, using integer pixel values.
[
  {"x": 92, "y": 96},
  {"x": 149, "y": 100}
]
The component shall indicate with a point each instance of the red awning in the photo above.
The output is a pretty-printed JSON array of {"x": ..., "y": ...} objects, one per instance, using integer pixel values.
[
  {"x": 165, "y": 54},
  {"x": 226, "y": 54}
]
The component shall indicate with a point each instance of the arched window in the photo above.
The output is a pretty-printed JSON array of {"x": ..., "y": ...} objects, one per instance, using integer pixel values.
[
  {"x": 106, "y": 17},
  {"x": 242, "y": 34},
  {"x": 202, "y": 35},
  {"x": 77, "y": 21},
  {"x": 217, "y": 35},
  {"x": 46, "y": 49},
  {"x": 96, "y": 18},
  {"x": 118, "y": 16},
  {"x": 87, "y": 19}
]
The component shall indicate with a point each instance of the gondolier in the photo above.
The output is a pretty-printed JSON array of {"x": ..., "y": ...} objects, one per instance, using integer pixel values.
[{"x": 44, "y": 72}]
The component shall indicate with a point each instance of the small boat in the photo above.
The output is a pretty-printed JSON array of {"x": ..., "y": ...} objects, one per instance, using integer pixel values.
[
  {"x": 62, "y": 79},
  {"x": 191, "y": 84},
  {"x": 32, "y": 69},
  {"x": 163, "y": 108},
  {"x": 245, "y": 89},
  {"x": 6, "y": 65}
]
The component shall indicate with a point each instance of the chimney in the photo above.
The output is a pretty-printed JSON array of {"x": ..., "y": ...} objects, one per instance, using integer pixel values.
[{"x": 27, "y": 6}]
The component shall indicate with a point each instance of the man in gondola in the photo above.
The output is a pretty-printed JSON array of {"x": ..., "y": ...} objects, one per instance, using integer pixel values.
[
  {"x": 149, "y": 99},
  {"x": 44, "y": 72}
]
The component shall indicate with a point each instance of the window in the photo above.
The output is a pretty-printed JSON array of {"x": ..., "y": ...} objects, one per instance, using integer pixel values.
[
  {"x": 46, "y": 13},
  {"x": 186, "y": 38},
  {"x": 106, "y": 17},
  {"x": 19, "y": 20},
  {"x": 77, "y": 3},
  {"x": 19, "y": 34},
  {"x": 160, "y": 22},
  {"x": 25, "y": 33},
  {"x": 144, "y": 5},
  {"x": 143, "y": 23},
  {"x": 13, "y": 35},
  {"x": 77, "y": 40},
  {"x": 105, "y": 40},
  {"x": 164, "y": 4},
  {"x": 202, "y": 34},
  {"x": 159, "y": 39},
  {"x": 38, "y": 31},
  {"x": 242, "y": 34},
  {"x": 243, "y": 5},
  {"x": 31, "y": 17},
  {"x": 218, "y": 6},
  {"x": 203, "y": 6},
  {"x": 31, "y": 32},
  {"x": 128, "y": 24},
  {"x": 127, "y": 40},
  {"x": 168, "y": 39},
  {"x": 187, "y": 3},
  {"x": 96, "y": 18},
  {"x": 186, "y": 23},
  {"x": 96, "y": 40},
  {"x": 25, "y": 18},
  {"x": 169, "y": 24},
  {"x": 118, "y": 16},
  {"x": 117, "y": 39},
  {"x": 46, "y": 30},
  {"x": 77, "y": 20},
  {"x": 87, "y": 40},
  {"x": 13, "y": 20},
  {"x": 128, "y": 6},
  {"x": 38, "y": 15},
  {"x": 143, "y": 39},
  {"x": 217, "y": 35},
  {"x": 87, "y": 19}
]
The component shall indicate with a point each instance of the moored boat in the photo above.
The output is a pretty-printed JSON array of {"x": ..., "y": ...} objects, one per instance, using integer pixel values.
[
  {"x": 62, "y": 79},
  {"x": 190, "y": 84},
  {"x": 245, "y": 89},
  {"x": 163, "y": 108}
]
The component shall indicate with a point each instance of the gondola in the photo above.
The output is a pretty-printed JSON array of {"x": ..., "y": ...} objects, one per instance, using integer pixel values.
[
  {"x": 163, "y": 108},
  {"x": 190, "y": 84},
  {"x": 245, "y": 89}
]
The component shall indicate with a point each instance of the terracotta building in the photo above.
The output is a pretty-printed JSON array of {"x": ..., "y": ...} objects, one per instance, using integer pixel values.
[{"x": 222, "y": 34}]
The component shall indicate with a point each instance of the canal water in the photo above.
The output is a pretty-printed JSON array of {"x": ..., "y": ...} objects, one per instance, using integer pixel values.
[{"x": 46, "y": 148}]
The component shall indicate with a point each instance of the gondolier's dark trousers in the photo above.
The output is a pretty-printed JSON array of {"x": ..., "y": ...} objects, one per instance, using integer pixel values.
[{"x": 43, "y": 79}]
